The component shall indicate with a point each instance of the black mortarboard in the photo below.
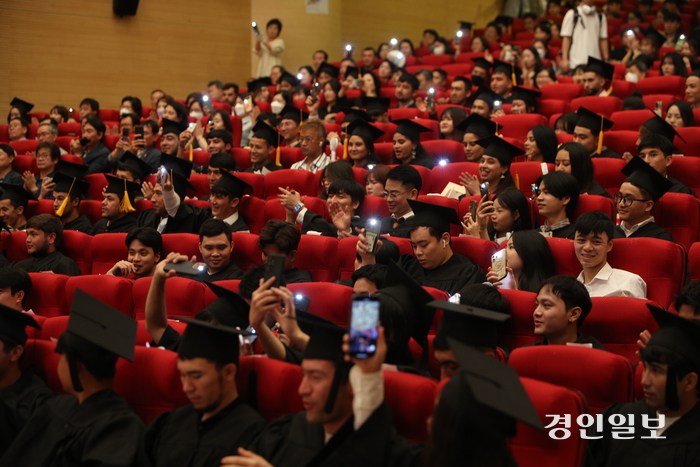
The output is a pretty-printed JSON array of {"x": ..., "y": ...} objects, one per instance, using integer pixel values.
[
  {"x": 23, "y": 106},
  {"x": 433, "y": 215},
  {"x": 118, "y": 186},
  {"x": 530, "y": 96},
  {"x": 655, "y": 36},
  {"x": 594, "y": 122},
  {"x": 232, "y": 184},
  {"x": 478, "y": 125},
  {"x": 290, "y": 78},
  {"x": 487, "y": 95},
  {"x": 352, "y": 71},
  {"x": 13, "y": 324},
  {"x": 410, "y": 129},
  {"x": 376, "y": 103},
  {"x": 264, "y": 131},
  {"x": 16, "y": 194},
  {"x": 488, "y": 395},
  {"x": 181, "y": 185},
  {"x": 332, "y": 70},
  {"x": 500, "y": 149},
  {"x": 135, "y": 165},
  {"x": 604, "y": 69},
  {"x": 352, "y": 114},
  {"x": 511, "y": 70},
  {"x": 259, "y": 83},
  {"x": 473, "y": 326},
  {"x": 681, "y": 336},
  {"x": 170, "y": 126},
  {"x": 363, "y": 129},
  {"x": 71, "y": 185},
  {"x": 289, "y": 112},
  {"x": 465, "y": 25},
  {"x": 214, "y": 342},
  {"x": 72, "y": 169},
  {"x": 658, "y": 125},
  {"x": 230, "y": 309},
  {"x": 178, "y": 165},
  {"x": 642, "y": 175},
  {"x": 308, "y": 321},
  {"x": 481, "y": 62}
]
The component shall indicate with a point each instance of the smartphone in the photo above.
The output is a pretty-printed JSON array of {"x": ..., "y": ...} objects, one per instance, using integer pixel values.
[
  {"x": 497, "y": 105},
  {"x": 301, "y": 302},
  {"x": 125, "y": 133},
  {"x": 187, "y": 268},
  {"x": 84, "y": 141},
  {"x": 484, "y": 189},
  {"x": 274, "y": 266},
  {"x": 472, "y": 209},
  {"x": 256, "y": 30},
  {"x": 348, "y": 48},
  {"x": 208, "y": 105},
  {"x": 314, "y": 91},
  {"x": 372, "y": 235},
  {"x": 498, "y": 263},
  {"x": 191, "y": 127},
  {"x": 431, "y": 97},
  {"x": 161, "y": 176},
  {"x": 364, "y": 326},
  {"x": 138, "y": 132}
]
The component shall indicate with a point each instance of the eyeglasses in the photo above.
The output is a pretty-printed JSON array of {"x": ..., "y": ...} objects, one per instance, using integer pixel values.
[
  {"x": 626, "y": 200},
  {"x": 393, "y": 194},
  {"x": 43, "y": 134}
]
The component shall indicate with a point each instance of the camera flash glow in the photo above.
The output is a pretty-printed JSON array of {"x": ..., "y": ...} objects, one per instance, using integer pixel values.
[
  {"x": 254, "y": 24},
  {"x": 394, "y": 41},
  {"x": 298, "y": 296},
  {"x": 299, "y": 76},
  {"x": 200, "y": 267},
  {"x": 442, "y": 162},
  {"x": 373, "y": 222},
  {"x": 348, "y": 47},
  {"x": 205, "y": 98},
  {"x": 459, "y": 33}
]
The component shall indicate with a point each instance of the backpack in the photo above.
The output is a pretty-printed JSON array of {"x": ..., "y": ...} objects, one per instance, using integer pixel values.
[{"x": 577, "y": 15}]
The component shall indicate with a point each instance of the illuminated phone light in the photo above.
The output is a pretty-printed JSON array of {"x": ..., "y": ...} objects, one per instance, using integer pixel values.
[
  {"x": 399, "y": 55},
  {"x": 373, "y": 222},
  {"x": 254, "y": 24},
  {"x": 298, "y": 296},
  {"x": 200, "y": 267},
  {"x": 459, "y": 33},
  {"x": 394, "y": 41},
  {"x": 370, "y": 166},
  {"x": 205, "y": 98},
  {"x": 443, "y": 162},
  {"x": 431, "y": 91},
  {"x": 348, "y": 47},
  {"x": 71, "y": 109},
  {"x": 299, "y": 76}
]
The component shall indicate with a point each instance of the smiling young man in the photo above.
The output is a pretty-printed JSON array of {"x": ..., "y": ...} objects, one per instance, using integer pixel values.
[
  {"x": 44, "y": 234},
  {"x": 263, "y": 144},
  {"x": 657, "y": 151},
  {"x": 116, "y": 216},
  {"x": 218, "y": 164},
  {"x": 68, "y": 193},
  {"x": 588, "y": 131},
  {"x": 592, "y": 243},
  {"x": 289, "y": 120},
  {"x": 403, "y": 182},
  {"x": 144, "y": 248},
  {"x": 216, "y": 247},
  {"x": 502, "y": 82},
  {"x": 13, "y": 206},
  {"x": 226, "y": 195}
]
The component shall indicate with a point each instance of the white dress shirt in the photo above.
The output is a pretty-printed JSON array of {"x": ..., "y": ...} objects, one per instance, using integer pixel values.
[{"x": 610, "y": 282}]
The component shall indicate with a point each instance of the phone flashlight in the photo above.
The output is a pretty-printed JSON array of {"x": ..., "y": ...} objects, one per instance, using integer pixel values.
[
  {"x": 630, "y": 33},
  {"x": 431, "y": 91},
  {"x": 459, "y": 33},
  {"x": 348, "y": 47},
  {"x": 70, "y": 110},
  {"x": 682, "y": 37},
  {"x": 254, "y": 24},
  {"x": 373, "y": 222},
  {"x": 298, "y": 296},
  {"x": 394, "y": 41},
  {"x": 205, "y": 98},
  {"x": 497, "y": 103},
  {"x": 442, "y": 162},
  {"x": 299, "y": 76}
]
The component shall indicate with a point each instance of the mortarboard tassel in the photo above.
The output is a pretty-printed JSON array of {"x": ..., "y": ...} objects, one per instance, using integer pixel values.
[
  {"x": 191, "y": 153},
  {"x": 610, "y": 90},
  {"x": 301, "y": 117},
  {"x": 125, "y": 204},
  {"x": 345, "y": 147},
  {"x": 512, "y": 75},
  {"x": 600, "y": 135},
  {"x": 496, "y": 128},
  {"x": 66, "y": 200},
  {"x": 517, "y": 181},
  {"x": 278, "y": 156}
]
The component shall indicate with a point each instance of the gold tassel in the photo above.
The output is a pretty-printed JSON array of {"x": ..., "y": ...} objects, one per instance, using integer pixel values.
[
  {"x": 610, "y": 90},
  {"x": 66, "y": 200},
  {"x": 600, "y": 135},
  {"x": 345, "y": 147},
  {"x": 512, "y": 75},
  {"x": 301, "y": 117},
  {"x": 191, "y": 153},
  {"x": 496, "y": 128},
  {"x": 517, "y": 181},
  {"x": 278, "y": 157},
  {"x": 125, "y": 204}
]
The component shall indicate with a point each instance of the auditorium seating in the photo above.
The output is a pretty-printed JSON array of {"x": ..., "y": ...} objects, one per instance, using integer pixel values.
[
  {"x": 691, "y": 147},
  {"x": 330, "y": 301},
  {"x": 48, "y": 295},
  {"x": 252, "y": 209},
  {"x": 445, "y": 150},
  {"x": 184, "y": 243},
  {"x": 183, "y": 297},
  {"x": 111, "y": 290},
  {"x": 526, "y": 173},
  {"x": 608, "y": 173},
  {"x": 630, "y": 120},
  {"x": 77, "y": 246},
  {"x": 601, "y": 105},
  {"x": 679, "y": 215},
  {"x": 478, "y": 250},
  {"x": 674, "y": 85},
  {"x": 441, "y": 175},
  {"x": 562, "y": 92},
  {"x": 687, "y": 171},
  {"x": 299, "y": 180},
  {"x": 517, "y": 126},
  {"x": 621, "y": 142},
  {"x": 403, "y": 391},
  {"x": 319, "y": 256}
]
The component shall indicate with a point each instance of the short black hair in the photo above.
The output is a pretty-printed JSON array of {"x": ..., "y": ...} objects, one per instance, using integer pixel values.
[
  {"x": 149, "y": 236},
  {"x": 231, "y": 85},
  {"x": 657, "y": 141},
  {"x": 325, "y": 54},
  {"x": 671, "y": 16},
  {"x": 96, "y": 123},
  {"x": 222, "y": 160},
  {"x": 410, "y": 79},
  {"x": 432, "y": 32},
  {"x": 48, "y": 224},
  {"x": 370, "y": 48},
  {"x": 251, "y": 281},
  {"x": 534, "y": 16},
  {"x": 350, "y": 188},
  {"x": 223, "y": 135},
  {"x": 213, "y": 228},
  {"x": 281, "y": 233},
  {"x": 572, "y": 292},
  {"x": 135, "y": 119},
  {"x": 441, "y": 72},
  {"x": 136, "y": 105},
  {"x": 560, "y": 185},
  {"x": 407, "y": 175},
  {"x": 53, "y": 147},
  {"x": 277, "y": 22},
  {"x": 94, "y": 105},
  {"x": 153, "y": 125},
  {"x": 16, "y": 280},
  {"x": 375, "y": 273},
  {"x": 216, "y": 83},
  {"x": 467, "y": 82},
  {"x": 595, "y": 222},
  {"x": 689, "y": 295},
  {"x": 658, "y": 354},
  {"x": 21, "y": 120}
]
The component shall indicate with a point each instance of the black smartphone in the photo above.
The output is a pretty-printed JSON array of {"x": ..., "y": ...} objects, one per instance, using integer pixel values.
[
  {"x": 364, "y": 326},
  {"x": 484, "y": 189},
  {"x": 187, "y": 268},
  {"x": 85, "y": 141},
  {"x": 256, "y": 30},
  {"x": 274, "y": 266},
  {"x": 301, "y": 303},
  {"x": 125, "y": 133},
  {"x": 372, "y": 235},
  {"x": 472, "y": 209},
  {"x": 314, "y": 92},
  {"x": 138, "y": 132}
]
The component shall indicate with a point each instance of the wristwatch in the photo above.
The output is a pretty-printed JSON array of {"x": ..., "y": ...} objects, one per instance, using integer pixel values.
[{"x": 298, "y": 207}]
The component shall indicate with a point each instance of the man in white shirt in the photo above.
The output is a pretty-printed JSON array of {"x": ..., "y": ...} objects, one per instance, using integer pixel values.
[
  {"x": 312, "y": 138},
  {"x": 584, "y": 33},
  {"x": 592, "y": 243}
]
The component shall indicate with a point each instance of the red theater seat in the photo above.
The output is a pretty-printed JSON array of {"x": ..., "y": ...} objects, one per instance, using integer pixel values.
[
  {"x": 622, "y": 88},
  {"x": 691, "y": 147},
  {"x": 526, "y": 173},
  {"x": 76, "y": 245},
  {"x": 519, "y": 329},
  {"x": 565, "y": 261},
  {"x": 252, "y": 210},
  {"x": 602, "y": 377},
  {"x": 679, "y": 214},
  {"x": 22, "y": 163},
  {"x": 563, "y": 91},
  {"x": 97, "y": 183},
  {"x": 411, "y": 399},
  {"x": 330, "y": 301},
  {"x": 650, "y": 100},
  {"x": 246, "y": 253},
  {"x": 630, "y": 120},
  {"x": 445, "y": 150},
  {"x": 92, "y": 208},
  {"x": 588, "y": 203},
  {"x": 48, "y": 295},
  {"x": 70, "y": 129},
  {"x": 16, "y": 246},
  {"x": 549, "y": 107},
  {"x": 478, "y": 250},
  {"x": 183, "y": 297},
  {"x": 52, "y": 328},
  {"x": 276, "y": 387},
  {"x": 200, "y": 183},
  {"x": 621, "y": 142},
  {"x": 319, "y": 256},
  {"x": 144, "y": 338},
  {"x": 41, "y": 206},
  {"x": 517, "y": 126},
  {"x": 662, "y": 85},
  {"x": 242, "y": 157},
  {"x": 42, "y": 355},
  {"x": 694, "y": 261},
  {"x": 437, "y": 60},
  {"x": 112, "y": 290},
  {"x": 257, "y": 181},
  {"x": 24, "y": 146},
  {"x": 600, "y": 105},
  {"x": 608, "y": 173},
  {"x": 290, "y": 156},
  {"x": 184, "y": 243},
  {"x": 687, "y": 171},
  {"x": 274, "y": 210},
  {"x": 409, "y": 113},
  {"x": 441, "y": 175},
  {"x": 299, "y": 180},
  {"x": 374, "y": 206}
]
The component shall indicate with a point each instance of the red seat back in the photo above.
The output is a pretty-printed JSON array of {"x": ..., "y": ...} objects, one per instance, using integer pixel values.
[
  {"x": 694, "y": 261},
  {"x": 184, "y": 243},
  {"x": 70, "y": 129},
  {"x": 42, "y": 356},
  {"x": 650, "y": 100},
  {"x": 478, "y": 250},
  {"x": 687, "y": 171},
  {"x": 679, "y": 215},
  {"x": 300, "y": 180},
  {"x": 277, "y": 387},
  {"x": 143, "y": 337},
  {"x": 289, "y": 156},
  {"x": 588, "y": 203},
  {"x": 275, "y": 210},
  {"x": 630, "y": 120},
  {"x": 410, "y": 399},
  {"x": 53, "y": 327},
  {"x": 445, "y": 150},
  {"x": 183, "y": 297},
  {"x": 409, "y": 113},
  {"x": 246, "y": 253},
  {"x": 549, "y": 107},
  {"x": 517, "y": 126},
  {"x": 92, "y": 208},
  {"x": 76, "y": 245},
  {"x": 621, "y": 141},
  {"x": 319, "y": 256},
  {"x": 600, "y": 105},
  {"x": 519, "y": 329},
  {"x": 16, "y": 246},
  {"x": 691, "y": 147},
  {"x": 622, "y": 88},
  {"x": 441, "y": 175},
  {"x": 608, "y": 173},
  {"x": 563, "y": 91},
  {"x": 252, "y": 210},
  {"x": 36, "y": 207},
  {"x": 24, "y": 146},
  {"x": 21, "y": 163},
  {"x": 565, "y": 260},
  {"x": 373, "y": 206},
  {"x": 662, "y": 85},
  {"x": 97, "y": 183},
  {"x": 257, "y": 181},
  {"x": 48, "y": 295},
  {"x": 526, "y": 173},
  {"x": 112, "y": 290},
  {"x": 330, "y": 301}
]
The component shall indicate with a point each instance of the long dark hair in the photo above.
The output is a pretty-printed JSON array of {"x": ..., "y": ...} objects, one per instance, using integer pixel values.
[
  {"x": 686, "y": 112},
  {"x": 458, "y": 115},
  {"x": 538, "y": 262},
  {"x": 514, "y": 200},
  {"x": 679, "y": 68},
  {"x": 581, "y": 165},
  {"x": 546, "y": 141},
  {"x": 420, "y": 149}
]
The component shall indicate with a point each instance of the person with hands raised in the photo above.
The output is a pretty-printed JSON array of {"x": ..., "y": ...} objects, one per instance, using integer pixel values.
[{"x": 508, "y": 212}]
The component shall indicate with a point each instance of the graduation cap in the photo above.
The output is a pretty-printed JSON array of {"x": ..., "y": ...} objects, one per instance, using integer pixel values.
[
  {"x": 352, "y": 71},
  {"x": 510, "y": 69},
  {"x": 487, "y": 95},
  {"x": 642, "y": 175},
  {"x": 481, "y": 62},
  {"x": 73, "y": 186},
  {"x": 13, "y": 324},
  {"x": 97, "y": 335},
  {"x": 487, "y": 395},
  {"x": 433, "y": 215},
  {"x": 500, "y": 149},
  {"x": 681, "y": 336},
  {"x": 232, "y": 184},
  {"x": 658, "y": 125},
  {"x": 214, "y": 342},
  {"x": 380, "y": 104},
  {"x": 465, "y": 25},
  {"x": 17, "y": 194},
  {"x": 530, "y": 96},
  {"x": 695, "y": 67},
  {"x": 331, "y": 70},
  {"x": 655, "y": 36},
  {"x": 229, "y": 309},
  {"x": 23, "y": 106},
  {"x": 181, "y": 184},
  {"x": 601, "y": 68},
  {"x": 71, "y": 169},
  {"x": 177, "y": 164},
  {"x": 472, "y": 326},
  {"x": 594, "y": 122},
  {"x": 352, "y": 114},
  {"x": 289, "y": 78},
  {"x": 264, "y": 131},
  {"x": 289, "y": 112},
  {"x": 124, "y": 189},
  {"x": 410, "y": 129},
  {"x": 364, "y": 130},
  {"x": 170, "y": 126},
  {"x": 478, "y": 125},
  {"x": 135, "y": 165},
  {"x": 259, "y": 83}
]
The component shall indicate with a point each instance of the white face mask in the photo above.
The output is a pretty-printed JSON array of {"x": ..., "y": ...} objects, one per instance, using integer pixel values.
[
  {"x": 587, "y": 9},
  {"x": 507, "y": 56},
  {"x": 197, "y": 115},
  {"x": 276, "y": 107},
  {"x": 239, "y": 109},
  {"x": 631, "y": 77},
  {"x": 542, "y": 53},
  {"x": 439, "y": 50},
  {"x": 124, "y": 111},
  {"x": 160, "y": 112}
]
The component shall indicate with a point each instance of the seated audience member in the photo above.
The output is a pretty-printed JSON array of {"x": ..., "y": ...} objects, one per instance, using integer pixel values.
[
  {"x": 529, "y": 261},
  {"x": 20, "y": 108},
  {"x": 635, "y": 201},
  {"x": 670, "y": 382},
  {"x": 475, "y": 127},
  {"x": 660, "y": 127},
  {"x": 66, "y": 429},
  {"x": 460, "y": 92},
  {"x": 593, "y": 242},
  {"x": 406, "y": 85},
  {"x": 216, "y": 248},
  {"x": 44, "y": 233},
  {"x": 573, "y": 158},
  {"x": 679, "y": 114},
  {"x": 402, "y": 183},
  {"x": 408, "y": 149},
  {"x": 226, "y": 195},
  {"x": 368, "y": 279},
  {"x": 94, "y": 152},
  {"x": 263, "y": 144},
  {"x": 68, "y": 193},
  {"x": 657, "y": 151},
  {"x": 7, "y": 173},
  {"x": 692, "y": 89},
  {"x": 474, "y": 322},
  {"x": 144, "y": 147},
  {"x": 22, "y": 393},
  {"x": 434, "y": 264},
  {"x": 117, "y": 207},
  {"x": 219, "y": 142},
  {"x": 541, "y": 144},
  {"x": 170, "y": 139},
  {"x": 218, "y": 164},
  {"x": 597, "y": 79},
  {"x": 290, "y": 119},
  {"x": 557, "y": 196},
  {"x": 88, "y": 106},
  {"x": 47, "y": 161},
  {"x": 501, "y": 80},
  {"x": 132, "y": 168},
  {"x": 17, "y": 129},
  {"x": 13, "y": 206},
  {"x": 361, "y": 136},
  {"x": 450, "y": 119},
  {"x": 144, "y": 246},
  {"x": 344, "y": 200},
  {"x": 562, "y": 305},
  {"x": 566, "y": 123},
  {"x": 312, "y": 139},
  {"x": 589, "y": 133},
  {"x": 60, "y": 114},
  {"x": 282, "y": 238},
  {"x": 494, "y": 166},
  {"x": 524, "y": 100},
  {"x": 218, "y": 421},
  {"x": 375, "y": 178},
  {"x": 497, "y": 220},
  {"x": 340, "y": 169}
]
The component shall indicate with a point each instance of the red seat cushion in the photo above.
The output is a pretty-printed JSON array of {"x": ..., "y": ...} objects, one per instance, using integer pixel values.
[
  {"x": 112, "y": 290},
  {"x": 48, "y": 295}
]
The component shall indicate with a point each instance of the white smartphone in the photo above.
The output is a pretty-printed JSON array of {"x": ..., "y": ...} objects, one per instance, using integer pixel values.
[{"x": 498, "y": 264}]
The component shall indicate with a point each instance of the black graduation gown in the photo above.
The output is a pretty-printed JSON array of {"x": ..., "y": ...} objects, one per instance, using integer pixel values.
[
  {"x": 179, "y": 438},
  {"x": 4, "y": 262},
  {"x": 679, "y": 187},
  {"x": 598, "y": 190},
  {"x": 402, "y": 230},
  {"x": 239, "y": 225},
  {"x": 606, "y": 153},
  {"x": 457, "y": 272},
  {"x": 568, "y": 231},
  {"x": 681, "y": 447},
  {"x": 102, "y": 431},
  {"x": 55, "y": 262},
  {"x": 291, "y": 441},
  {"x": 121, "y": 225},
  {"x": 188, "y": 219},
  {"x": 271, "y": 166},
  {"x": 579, "y": 340},
  {"x": 295, "y": 276},
  {"x": 170, "y": 340},
  {"x": 231, "y": 271},
  {"x": 314, "y": 222},
  {"x": 80, "y": 223},
  {"x": 652, "y": 229},
  {"x": 17, "y": 404}
]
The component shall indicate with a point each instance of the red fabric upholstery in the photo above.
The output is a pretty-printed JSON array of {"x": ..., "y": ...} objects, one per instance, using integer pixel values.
[
  {"x": 686, "y": 170},
  {"x": 679, "y": 214},
  {"x": 289, "y": 156},
  {"x": 526, "y": 173},
  {"x": 437, "y": 60},
  {"x": 621, "y": 141},
  {"x": 92, "y": 208},
  {"x": 143, "y": 337},
  {"x": 359, "y": 175},
  {"x": 257, "y": 181},
  {"x": 184, "y": 243},
  {"x": 608, "y": 173},
  {"x": 76, "y": 245},
  {"x": 42, "y": 356},
  {"x": 183, "y": 297},
  {"x": 588, "y": 203},
  {"x": 48, "y": 295},
  {"x": 319, "y": 256},
  {"x": 16, "y": 246},
  {"x": 441, "y": 175},
  {"x": 694, "y": 261},
  {"x": 198, "y": 157},
  {"x": 519, "y": 329},
  {"x": 410, "y": 399},
  {"x": 97, "y": 183},
  {"x": 201, "y": 183},
  {"x": 663, "y": 85},
  {"x": 384, "y": 151},
  {"x": 35, "y": 207},
  {"x": 24, "y": 146},
  {"x": 443, "y": 149},
  {"x": 432, "y": 124},
  {"x": 112, "y": 290},
  {"x": 346, "y": 257},
  {"x": 602, "y": 377},
  {"x": 517, "y": 126},
  {"x": 446, "y": 202},
  {"x": 651, "y": 99},
  {"x": 600, "y": 105},
  {"x": 532, "y": 448},
  {"x": 476, "y": 249},
  {"x": 299, "y": 180},
  {"x": 111, "y": 140},
  {"x": 22, "y": 163},
  {"x": 246, "y": 253},
  {"x": 277, "y": 387},
  {"x": 53, "y": 327},
  {"x": 374, "y": 206},
  {"x": 549, "y": 107},
  {"x": 623, "y": 88},
  {"x": 252, "y": 209},
  {"x": 404, "y": 244},
  {"x": 630, "y": 120},
  {"x": 64, "y": 142},
  {"x": 70, "y": 129},
  {"x": 330, "y": 301},
  {"x": 410, "y": 113},
  {"x": 565, "y": 261},
  {"x": 242, "y": 157},
  {"x": 691, "y": 147},
  {"x": 562, "y": 92}
]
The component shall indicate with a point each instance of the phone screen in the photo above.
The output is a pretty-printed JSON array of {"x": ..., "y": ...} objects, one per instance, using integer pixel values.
[
  {"x": 364, "y": 327},
  {"x": 372, "y": 235},
  {"x": 484, "y": 189},
  {"x": 498, "y": 264},
  {"x": 125, "y": 133}
]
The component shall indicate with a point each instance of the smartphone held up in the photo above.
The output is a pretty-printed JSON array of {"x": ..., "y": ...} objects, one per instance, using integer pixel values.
[{"x": 364, "y": 326}]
